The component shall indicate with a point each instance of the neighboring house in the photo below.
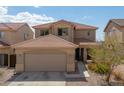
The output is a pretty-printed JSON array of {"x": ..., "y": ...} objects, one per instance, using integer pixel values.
[
  {"x": 12, "y": 33},
  {"x": 115, "y": 28}
]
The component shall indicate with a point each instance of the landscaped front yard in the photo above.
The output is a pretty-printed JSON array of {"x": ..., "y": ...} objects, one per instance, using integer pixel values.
[
  {"x": 7, "y": 77},
  {"x": 94, "y": 80},
  {"x": 49, "y": 78},
  {"x": 5, "y": 74}
]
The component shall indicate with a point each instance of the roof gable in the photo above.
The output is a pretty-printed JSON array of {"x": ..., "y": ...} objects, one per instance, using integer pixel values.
[
  {"x": 76, "y": 25},
  {"x": 115, "y": 22},
  {"x": 11, "y": 26},
  {"x": 120, "y": 22},
  {"x": 48, "y": 41}
]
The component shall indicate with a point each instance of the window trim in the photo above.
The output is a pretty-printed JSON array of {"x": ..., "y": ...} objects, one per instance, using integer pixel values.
[
  {"x": 64, "y": 31},
  {"x": 43, "y": 32},
  {"x": 26, "y": 36},
  {"x": 2, "y": 34}
]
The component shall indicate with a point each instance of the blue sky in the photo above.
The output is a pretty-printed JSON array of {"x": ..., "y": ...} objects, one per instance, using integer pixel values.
[{"x": 96, "y": 16}]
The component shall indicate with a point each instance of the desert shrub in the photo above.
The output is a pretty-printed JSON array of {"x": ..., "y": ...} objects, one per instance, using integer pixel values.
[
  {"x": 101, "y": 67},
  {"x": 92, "y": 66},
  {"x": 1, "y": 73},
  {"x": 117, "y": 75}
]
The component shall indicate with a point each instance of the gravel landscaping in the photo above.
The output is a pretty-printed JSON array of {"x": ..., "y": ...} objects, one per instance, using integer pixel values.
[
  {"x": 93, "y": 80},
  {"x": 5, "y": 75}
]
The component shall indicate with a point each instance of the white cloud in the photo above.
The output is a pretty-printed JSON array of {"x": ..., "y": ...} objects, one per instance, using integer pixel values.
[
  {"x": 27, "y": 17},
  {"x": 3, "y": 10},
  {"x": 86, "y": 17}
]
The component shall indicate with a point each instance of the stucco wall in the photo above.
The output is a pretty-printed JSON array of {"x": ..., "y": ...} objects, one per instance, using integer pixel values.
[
  {"x": 69, "y": 37},
  {"x": 13, "y": 37},
  {"x": 70, "y": 53},
  {"x": 71, "y": 32},
  {"x": 5, "y": 50},
  {"x": 115, "y": 31},
  {"x": 24, "y": 30},
  {"x": 84, "y": 34},
  {"x": 54, "y": 31},
  {"x": 9, "y": 36},
  {"x": 37, "y": 33}
]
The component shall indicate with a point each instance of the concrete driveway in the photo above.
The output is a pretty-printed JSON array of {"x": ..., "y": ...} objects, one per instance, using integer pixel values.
[{"x": 38, "y": 79}]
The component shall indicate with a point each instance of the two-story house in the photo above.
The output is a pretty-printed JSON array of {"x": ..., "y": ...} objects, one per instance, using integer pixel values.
[
  {"x": 12, "y": 33},
  {"x": 56, "y": 47},
  {"x": 71, "y": 31},
  {"x": 115, "y": 29}
]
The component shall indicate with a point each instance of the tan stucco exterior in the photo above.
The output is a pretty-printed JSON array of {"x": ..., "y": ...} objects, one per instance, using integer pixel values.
[
  {"x": 56, "y": 46},
  {"x": 114, "y": 30},
  {"x": 57, "y": 53},
  {"x": 25, "y": 30},
  {"x": 77, "y": 33},
  {"x": 13, "y": 37},
  {"x": 5, "y": 50},
  {"x": 72, "y": 33},
  {"x": 87, "y": 34},
  {"x": 69, "y": 57},
  {"x": 54, "y": 30}
]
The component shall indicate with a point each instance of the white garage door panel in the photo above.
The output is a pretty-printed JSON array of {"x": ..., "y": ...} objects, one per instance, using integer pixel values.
[{"x": 45, "y": 62}]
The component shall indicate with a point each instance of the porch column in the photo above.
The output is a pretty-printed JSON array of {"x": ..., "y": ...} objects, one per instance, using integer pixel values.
[
  {"x": 8, "y": 60},
  {"x": 19, "y": 62},
  {"x": 85, "y": 55},
  {"x": 80, "y": 54},
  {"x": 71, "y": 61}
]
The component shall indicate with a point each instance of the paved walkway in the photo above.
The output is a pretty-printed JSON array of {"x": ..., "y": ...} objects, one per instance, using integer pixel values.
[
  {"x": 83, "y": 73},
  {"x": 82, "y": 70}
]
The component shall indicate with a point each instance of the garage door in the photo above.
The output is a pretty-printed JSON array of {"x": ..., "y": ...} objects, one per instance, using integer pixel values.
[{"x": 45, "y": 62}]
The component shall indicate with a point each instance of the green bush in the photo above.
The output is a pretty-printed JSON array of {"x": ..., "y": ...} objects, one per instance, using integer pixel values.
[
  {"x": 101, "y": 67},
  {"x": 92, "y": 66}
]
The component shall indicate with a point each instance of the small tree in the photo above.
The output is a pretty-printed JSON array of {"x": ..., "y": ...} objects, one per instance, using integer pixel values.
[{"x": 111, "y": 51}]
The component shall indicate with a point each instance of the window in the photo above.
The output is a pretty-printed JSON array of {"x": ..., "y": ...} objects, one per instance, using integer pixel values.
[
  {"x": 1, "y": 34},
  {"x": 88, "y": 33},
  {"x": 25, "y": 36},
  {"x": 44, "y": 32},
  {"x": 62, "y": 31}
]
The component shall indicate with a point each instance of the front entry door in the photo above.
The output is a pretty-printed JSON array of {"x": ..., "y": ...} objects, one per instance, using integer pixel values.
[
  {"x": 12, "y": 60},
  {"x": 77, "y": 54}
]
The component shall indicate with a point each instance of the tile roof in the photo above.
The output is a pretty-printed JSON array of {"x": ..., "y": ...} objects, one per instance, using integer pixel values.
[
  {"x": 120, "y": 22},
  {"x": 48, "y": 41},
  {"x": 10, "y": 26},
  {"x": 2, "y": 43},
  {"x": 76, "y": 25}
]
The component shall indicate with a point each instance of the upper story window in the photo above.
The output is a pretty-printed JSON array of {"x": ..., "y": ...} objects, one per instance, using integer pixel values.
[
  {"x": 62, "y": 31},
  {"x": 44, "y": 32},
  {"x": 1, "y": 34}
]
